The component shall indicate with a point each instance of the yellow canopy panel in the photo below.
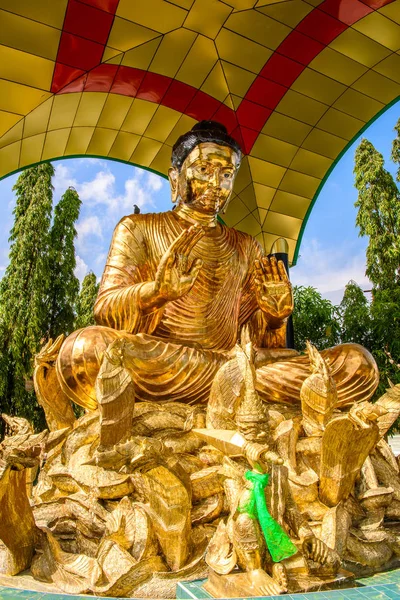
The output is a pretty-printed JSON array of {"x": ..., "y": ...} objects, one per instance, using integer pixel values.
[{"x": 293, "y": 81}]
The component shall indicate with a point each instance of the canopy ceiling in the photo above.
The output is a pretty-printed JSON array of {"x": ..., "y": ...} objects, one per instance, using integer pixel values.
[{"x": 294, "y": 81}]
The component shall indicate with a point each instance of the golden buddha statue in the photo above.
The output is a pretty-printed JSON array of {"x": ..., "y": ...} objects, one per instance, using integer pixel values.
[{"x": 177, "y": 289}]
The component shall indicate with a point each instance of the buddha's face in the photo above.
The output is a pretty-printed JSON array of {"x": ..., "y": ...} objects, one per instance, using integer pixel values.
[{"x": 206, "y": 178}]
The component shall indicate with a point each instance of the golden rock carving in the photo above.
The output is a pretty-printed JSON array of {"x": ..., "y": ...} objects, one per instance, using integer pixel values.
[{"x": 207, "y": 449}]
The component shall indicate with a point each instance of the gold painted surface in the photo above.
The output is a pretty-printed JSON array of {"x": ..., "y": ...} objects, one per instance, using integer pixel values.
[
  {"x": 290, "y": 12},
  {"x": 358, "y": 105},
  {"x": 216, "y": 84},
  {"x": 15, "y": 133},
  {"x": 287, "y": 129},
  {"x": 241, "y": 51},
  {"x": 284, "y": 225},
  {"x": 390, "y": 67},
  {"x": 101, "y": 141},
  {"x": 294, "y": 182},
  {"x": 294, "y": 104},
  {"x": 380, "y": 29},
  {"x": 201, "y": 58},
  {"x": 207, "y": 17},
  {"x": 48, "y": 12},
  {"x": 162, "y": 123},
  {"x": 318, "y": 86},
  {"x": 7, "y": 122},
  {"x": 31, "y": 149},
  {"x": 172, "y": 51},
  {"x": 258, "y": 27},
  {"x": 55, "y": 143},
  {"x": 23, "y": 67},
  {"x": 324, "y": 143},
  {"x": 190, "y": 347},
  {"x": 9, "y": 157},
  {"x": 161, "y": 161},
  {"x": 339, "y": 124},
  {"x": 34, "y": 120},
  {"x": 21, "y": 99},
  {"x": 29, "y": 35},
  {"x": 156, "y": 14},
  {"x": 290, "y": 204},
  {"x": 216, "y": 47},
  {"x": 89, "y": 109},
  {"x": 63, "y": 111},
  {"x": 274, "y": 150},
  {"x": 114, "y": 111},
  {"x": 265, "y": 173},
  {"x": 125, "y": 34},
  {"x": 141, "y": 57},
  {"x": 150, "y": 485},
  {"x": 145, "y": 152},
  {"x": 337, "y": 66},
  {"x": 377, "y": 86},
  {"x": 310, "y": 163},
  {"x": 139, "y": 116},
  {"x": 359, "y": 47},
  {"x": 79, "y": 140},
  {"x": 264, "y": 195},
  {"x": 239, "y": 80},
  {"x": 124, "y": 145}
]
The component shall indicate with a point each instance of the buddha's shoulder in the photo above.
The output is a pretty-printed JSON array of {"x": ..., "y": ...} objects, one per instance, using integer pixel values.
[{"x": 142, "y": 221}]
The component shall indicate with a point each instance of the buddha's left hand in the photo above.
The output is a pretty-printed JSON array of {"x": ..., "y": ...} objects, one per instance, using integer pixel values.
[{"x": 273, "y": 291}]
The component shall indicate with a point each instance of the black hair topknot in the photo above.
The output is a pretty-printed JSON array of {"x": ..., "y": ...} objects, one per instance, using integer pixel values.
[{"x": 204, "y": 131}]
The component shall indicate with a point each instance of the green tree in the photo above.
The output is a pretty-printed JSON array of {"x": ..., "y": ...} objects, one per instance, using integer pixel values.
[
  {"x": 64, "y": 286},
  {"x": 355, "y": 316},
  {"x": 378, "y": 215},
  {"x": 85, "y": 302},
  {"x": 385, "y": 347},
  {"x": 23, "y": 290},
  {"x": 379, "y": 219},
  {"x": 314, "y": 319},
  {"x": 396, "y": 149}
]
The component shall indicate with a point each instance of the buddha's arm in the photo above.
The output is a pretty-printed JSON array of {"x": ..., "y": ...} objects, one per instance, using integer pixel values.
[
  {"x": 125, "y": 280},
  {"x": 267, "y": 332}
]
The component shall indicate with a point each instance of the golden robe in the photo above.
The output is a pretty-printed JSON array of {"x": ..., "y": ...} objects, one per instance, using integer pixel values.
[{"x": 174, "y": 352}]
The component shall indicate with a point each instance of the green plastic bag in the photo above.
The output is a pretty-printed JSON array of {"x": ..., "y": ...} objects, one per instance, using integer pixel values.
[{"x": 279, "y": 544}]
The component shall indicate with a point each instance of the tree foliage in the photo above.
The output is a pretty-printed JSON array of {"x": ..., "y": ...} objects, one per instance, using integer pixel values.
[
  {"x": 378, "y": 215},
  {"x": 64, "y": 286},
  {"x": 23, "y": 289},
  {"x": 85, "y": 302},
  {"x": 355, "y": 317},
  {"x": 314, "y": 319}
]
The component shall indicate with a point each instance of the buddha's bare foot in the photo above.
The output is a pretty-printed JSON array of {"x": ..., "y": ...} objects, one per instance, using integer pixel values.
[
  {"x": 264, "y": 585},
  {"x": 279, "y": 574}
]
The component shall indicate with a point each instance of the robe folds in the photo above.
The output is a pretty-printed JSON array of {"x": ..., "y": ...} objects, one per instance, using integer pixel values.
[{"x": 174, "y": 352}]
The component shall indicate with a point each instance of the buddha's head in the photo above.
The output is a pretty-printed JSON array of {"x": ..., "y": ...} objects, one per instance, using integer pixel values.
[{"x": 205, "y": 161}]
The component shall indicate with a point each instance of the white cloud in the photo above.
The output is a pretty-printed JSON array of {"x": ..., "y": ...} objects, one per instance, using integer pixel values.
[
  {"x": 329, "y": 269},
  {"x": 154, "y": 182},
  {"x": 89, "y": 226},
  {"x": 63, "y": 179},
  {"x": 99, "y": 190},
  {"x": 81, "y": 268},
  {"x": 90, "y": 161},
  {"x": 102, "y": 190}
]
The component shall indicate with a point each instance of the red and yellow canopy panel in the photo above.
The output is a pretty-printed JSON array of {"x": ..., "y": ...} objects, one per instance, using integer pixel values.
[{"x": 293, "y": 80}]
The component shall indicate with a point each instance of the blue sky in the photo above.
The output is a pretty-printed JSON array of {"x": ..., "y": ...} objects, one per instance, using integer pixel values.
[{"x": 331, "y": 252}]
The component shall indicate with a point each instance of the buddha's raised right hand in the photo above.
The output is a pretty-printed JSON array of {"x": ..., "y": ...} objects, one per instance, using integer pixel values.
[{"x": 175, "y": 275}]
